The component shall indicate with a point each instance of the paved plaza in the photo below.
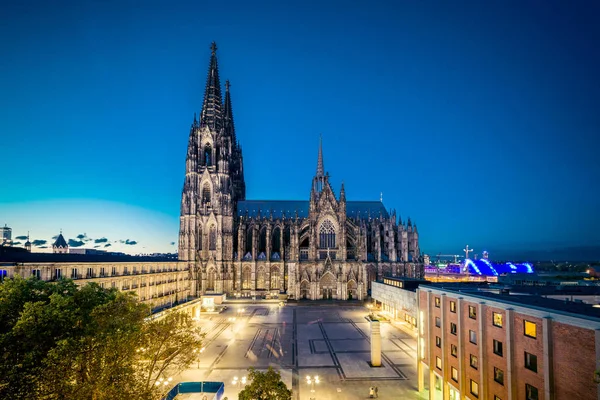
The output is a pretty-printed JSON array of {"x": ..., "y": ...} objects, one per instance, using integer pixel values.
[{"x": 328, "y": 340}]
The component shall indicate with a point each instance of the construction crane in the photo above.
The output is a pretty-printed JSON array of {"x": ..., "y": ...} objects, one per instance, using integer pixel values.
[{"x": 448, "y": 255}]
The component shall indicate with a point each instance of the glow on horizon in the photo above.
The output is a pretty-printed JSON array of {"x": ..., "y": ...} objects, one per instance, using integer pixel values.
[{"x": 152, "y": 231}]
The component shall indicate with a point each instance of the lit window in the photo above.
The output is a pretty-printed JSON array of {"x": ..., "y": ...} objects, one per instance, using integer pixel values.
[
  {"x": 530, "y": 329},
  {"x": 474, "y": 388},
  {"x": 531, "y": 392},
  {"x": 472, "y": 337},
  {"x": 454, "y": 374},
  {"x": 499, "y": 376},
  {"x": 438, "y": 341},
  {"x": 453, "y": 350},
  {"x": 497, "y": 398},
  {"x": 473, "y": 361},
  {"x": 498, "y": 347},
  {"x": 453, "y": 328},
  {"x": 472, "y": 312},
  {"x": 497, "y": 319},
  {"x": 438, "y": 322},
  {"x": 453, "y": 306},
  {"x": 530, "y": 362},
  {"x": 437, "y": 302},
  {"x": 438, "y": 363}
]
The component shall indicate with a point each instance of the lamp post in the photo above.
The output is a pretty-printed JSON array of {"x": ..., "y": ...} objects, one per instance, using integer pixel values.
[
  {"x": 238, "y": 383},
  {"x": 312, "y": 381},
  {"x": 164, "y": 382},
  {"x": 199, "y": 351}
]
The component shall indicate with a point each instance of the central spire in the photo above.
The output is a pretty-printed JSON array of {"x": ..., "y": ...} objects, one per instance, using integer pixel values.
[
  {"x": 320, "y": 169},
  {"x": 228, "y": 114},
  {"x": 211, "y": 107}
]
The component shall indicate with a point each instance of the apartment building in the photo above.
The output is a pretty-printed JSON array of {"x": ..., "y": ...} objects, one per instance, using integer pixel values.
[
  {"x": 158, "y": 284},
  {"x": 483, "y": 345}
]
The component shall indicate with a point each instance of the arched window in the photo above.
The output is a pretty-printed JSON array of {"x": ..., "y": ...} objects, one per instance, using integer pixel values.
[
  {"x": 327, "y": 235},
  {"x": 276, "y": 240},
  {"x": 247, "y": 278},
  {"x": 207, "y": 155},
  {"x": 212, "y": 238},
  {"x": 262, "y": 241},
  {"x": 248, "y": 241},
  {"x": 206, "y": 193}
]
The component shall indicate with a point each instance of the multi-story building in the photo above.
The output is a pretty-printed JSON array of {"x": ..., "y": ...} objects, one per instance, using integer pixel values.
[
  {"x": 323, "y": 247},
  {"x": 483, "y": 345},
  {"x": 157, "y": 283}
]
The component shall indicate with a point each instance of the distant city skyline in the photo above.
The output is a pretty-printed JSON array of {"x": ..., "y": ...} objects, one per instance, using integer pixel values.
[{"x": 479, "y": 122}]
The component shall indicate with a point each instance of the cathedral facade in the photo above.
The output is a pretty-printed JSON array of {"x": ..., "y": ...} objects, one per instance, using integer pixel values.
[{"x": 325, "y": 247}]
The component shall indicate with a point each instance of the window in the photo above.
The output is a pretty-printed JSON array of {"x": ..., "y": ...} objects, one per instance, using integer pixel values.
[
  {"x": 327, "y": 235},
  {"x": 102, "y": 271},
  {"x": 531, "y": 392},
  {"x": 212, "y": 238},
  {"x": 437, "y": 302},
  {"x": 74, "y": 273},
  {"x": 473, "y": 361},
  {"x": 36, "y": 273},
  {"x": 207, "y": 155},
  {"x": 499, "y": 376},
  {"x": 206, "y": 193},
  {"x": 472, "y": 312},
  {"x": 438, "y": 341},
  {"x": 58, "y": 274},
  {"x": 497, "y": 398},
  {"x": 438, "y": 322},
  {"x": 453, "y": 350},
  {"x": 454, "y": 374},
  {"x": 530, "y": 329},
  {"x": 453, "y": 306},
  {"x": 453, "y": 328},
  {"x": 472, "y": 337},
  {"x": 497, "y": 319},
  {"x": 438, "y": 363},
  {"x": 474, "y": 388},
  {"x": 498, "y": 347},
  {"x": 114, "y": 271},
  {"x": 530, "y": 362}
]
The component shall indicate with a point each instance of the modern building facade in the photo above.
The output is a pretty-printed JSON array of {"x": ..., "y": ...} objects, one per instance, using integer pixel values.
[
  {"x": 478, "y": 345},
  {"x": 324, "y": 247}
]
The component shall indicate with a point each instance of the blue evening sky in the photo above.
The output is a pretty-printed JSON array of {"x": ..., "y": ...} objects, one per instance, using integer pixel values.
[{"x": 480, "y": 120}]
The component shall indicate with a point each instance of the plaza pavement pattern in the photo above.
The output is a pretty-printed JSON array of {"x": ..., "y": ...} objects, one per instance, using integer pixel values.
[{"x": 330, "y": 340}]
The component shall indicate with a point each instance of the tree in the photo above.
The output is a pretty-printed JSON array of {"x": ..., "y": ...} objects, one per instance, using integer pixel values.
[
  {"x": 59, "y": 341},
  {"x": 265, "y": 386}
]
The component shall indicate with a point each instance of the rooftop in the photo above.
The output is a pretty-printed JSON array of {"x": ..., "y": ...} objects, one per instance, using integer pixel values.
[
  {"x": 525, "y": 300},
  {"x": 289, "y": 208}
]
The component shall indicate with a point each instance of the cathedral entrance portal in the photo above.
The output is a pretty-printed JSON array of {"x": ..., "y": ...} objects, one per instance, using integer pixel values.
[
  {"x": 328, "y": 286},
  {"x": 304, "y": 290}
]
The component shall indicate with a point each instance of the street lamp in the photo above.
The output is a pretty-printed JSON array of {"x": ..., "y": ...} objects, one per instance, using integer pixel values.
[
  {"x": 196, "y": 351},
  {"x": 312, "y": 381},
  {"x": 238, "y": 382},
  {"x": 163, "y": 381}
]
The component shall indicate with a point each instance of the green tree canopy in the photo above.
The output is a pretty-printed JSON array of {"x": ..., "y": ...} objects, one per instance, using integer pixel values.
[
  {"x": 265, "y": 386},
  {"x": 61, "y": 341}
]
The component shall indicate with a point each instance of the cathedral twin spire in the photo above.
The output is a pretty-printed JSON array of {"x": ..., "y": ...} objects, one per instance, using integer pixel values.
[{"x": 211, "y": 107}]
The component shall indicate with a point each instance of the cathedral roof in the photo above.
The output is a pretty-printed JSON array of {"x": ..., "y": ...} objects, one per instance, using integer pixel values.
[{"x": 354, "y": 209}]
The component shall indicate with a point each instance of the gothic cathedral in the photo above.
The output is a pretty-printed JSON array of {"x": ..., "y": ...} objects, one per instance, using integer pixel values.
[{"x": 323, "y": 248}]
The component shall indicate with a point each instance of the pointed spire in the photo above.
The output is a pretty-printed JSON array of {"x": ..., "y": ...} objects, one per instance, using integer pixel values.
[
  {"x": 211, "y": 107},
  {"x": 342, "y": 193},
  {"x": 228, "y": 113},
  {"x": 320, "y": 169}
]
